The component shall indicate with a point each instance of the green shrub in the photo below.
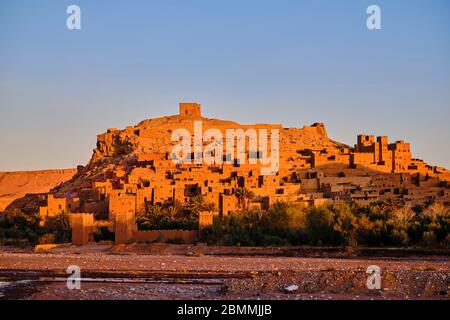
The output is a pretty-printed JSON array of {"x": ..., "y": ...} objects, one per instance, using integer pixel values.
[
  {"x": 320, "y": 227},
  {"x": 169, "y": 223},
  {"x": 378, "y": 224},
  {"x": 429, "y": 238},
  {"x": 102, "y": 234}
]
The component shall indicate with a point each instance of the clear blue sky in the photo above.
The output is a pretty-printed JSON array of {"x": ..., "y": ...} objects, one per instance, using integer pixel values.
[{"x": 290, "y": 62}]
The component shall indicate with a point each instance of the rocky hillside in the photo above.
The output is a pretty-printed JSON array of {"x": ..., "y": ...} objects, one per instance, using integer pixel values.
[
  {"x": 141, "y": 154},
  {"x": 117, "y": 150}
]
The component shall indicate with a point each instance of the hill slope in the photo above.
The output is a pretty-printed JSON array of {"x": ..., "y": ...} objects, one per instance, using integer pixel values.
[{"x": 14, "y": 185}]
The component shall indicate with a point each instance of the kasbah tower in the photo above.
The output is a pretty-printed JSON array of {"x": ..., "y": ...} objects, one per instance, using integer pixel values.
[{"x": 133, "y": 168}]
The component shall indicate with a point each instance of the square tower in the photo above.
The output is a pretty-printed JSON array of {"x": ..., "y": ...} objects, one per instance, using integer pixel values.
[{"x": 190, "y": 110}]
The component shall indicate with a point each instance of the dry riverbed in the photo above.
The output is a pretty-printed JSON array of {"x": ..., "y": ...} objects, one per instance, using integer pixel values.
[{"x": 161, "y": 271}]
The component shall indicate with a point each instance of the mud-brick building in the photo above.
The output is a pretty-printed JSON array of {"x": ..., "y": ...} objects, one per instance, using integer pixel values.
[{"x": 133, "y": 168}]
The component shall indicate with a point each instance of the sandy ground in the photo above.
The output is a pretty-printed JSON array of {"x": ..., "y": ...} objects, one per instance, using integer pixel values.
[{"x": 181, "y": 272}]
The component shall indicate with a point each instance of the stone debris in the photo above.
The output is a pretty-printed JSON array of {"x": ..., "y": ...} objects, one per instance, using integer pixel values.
[
  {"x": 176, "y": 276},
  {"x": 291, "y": 288}
]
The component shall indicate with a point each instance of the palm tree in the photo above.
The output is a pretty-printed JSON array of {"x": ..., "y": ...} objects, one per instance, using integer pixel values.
[
  {"x": 244, "y": 197},
  {"x": 197, "y": 204},
  {"x": 153, "y": 210},
  {"x": 171, "y": 211},
  {"x": 151, "y": 216},
  {"x": 248, "y": 196},
  {"x": 63, "y": 221}
]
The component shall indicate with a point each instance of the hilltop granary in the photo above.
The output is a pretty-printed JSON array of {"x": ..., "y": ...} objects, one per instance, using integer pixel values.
[{"x": 132, "y": 168}]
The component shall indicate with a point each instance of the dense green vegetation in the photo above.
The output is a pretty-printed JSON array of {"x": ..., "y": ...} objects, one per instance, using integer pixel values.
[
  {"x": 19, "y": 228},
  {"x": 173, "y": 216},
  {"x": 378, "y": 224}
]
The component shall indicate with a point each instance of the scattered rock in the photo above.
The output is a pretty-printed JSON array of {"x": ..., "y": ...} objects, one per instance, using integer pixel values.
[
  {"x": 291, "y": 288},
  {"x": 194, "y": 254}
]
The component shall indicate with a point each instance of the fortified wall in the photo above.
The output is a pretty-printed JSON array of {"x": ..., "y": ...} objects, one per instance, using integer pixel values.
[{"x": 125, "y": 228}]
